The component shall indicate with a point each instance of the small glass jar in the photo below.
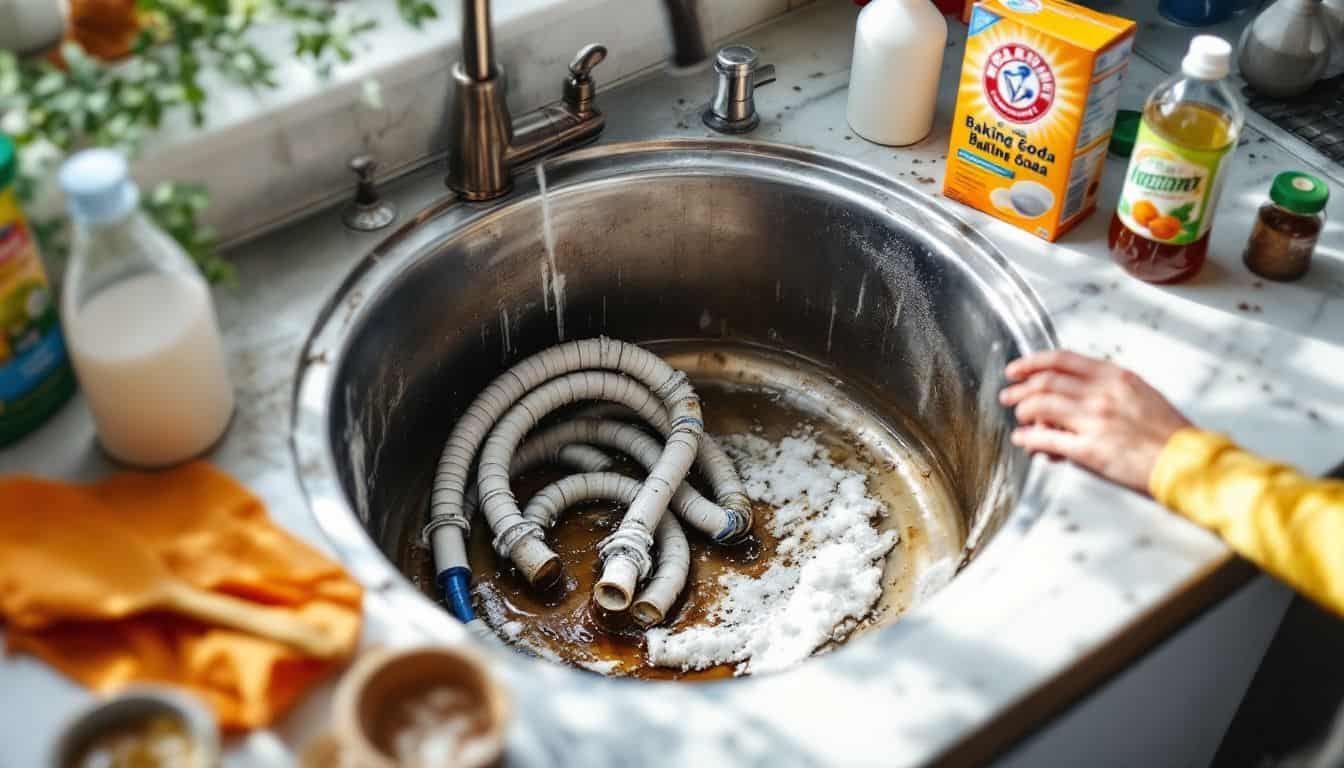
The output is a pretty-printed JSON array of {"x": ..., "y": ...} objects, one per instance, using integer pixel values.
[{"x": 1287, "y": 227}]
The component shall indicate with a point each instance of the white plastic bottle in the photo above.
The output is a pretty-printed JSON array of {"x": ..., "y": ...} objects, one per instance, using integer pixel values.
[
  {"x": 140, "y": 323},
  {"x": 893, "y": 83}
]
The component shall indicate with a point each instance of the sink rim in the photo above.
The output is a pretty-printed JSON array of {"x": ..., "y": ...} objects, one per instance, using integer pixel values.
[{"x": 320, "y": 356}]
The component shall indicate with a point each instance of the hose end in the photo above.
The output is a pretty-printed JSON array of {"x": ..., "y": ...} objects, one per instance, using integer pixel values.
[
  {"x": 455, "y": 584},
  {"x": 616, "y": 588},
  {"x": 540, "y": 565},
  {"x": 646, "y": 613},
  {"x": 739, "y": 521}
]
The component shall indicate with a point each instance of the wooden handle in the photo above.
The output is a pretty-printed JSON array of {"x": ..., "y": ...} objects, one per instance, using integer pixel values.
[{"x": 270, "y": 623}]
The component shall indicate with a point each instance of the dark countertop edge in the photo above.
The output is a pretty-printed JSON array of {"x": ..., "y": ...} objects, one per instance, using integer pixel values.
[{"x": 1019, "y": 720}]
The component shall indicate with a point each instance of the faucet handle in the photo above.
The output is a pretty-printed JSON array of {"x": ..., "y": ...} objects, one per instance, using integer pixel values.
[
  {"x": 763, "y": 76},
  {"x": 368, "y": 211},
  {"x": 579, "y": 87},
  {"x": 364, "y": 167}
]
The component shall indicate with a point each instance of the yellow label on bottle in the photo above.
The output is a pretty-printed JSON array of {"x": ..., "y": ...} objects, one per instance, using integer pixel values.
[{"x": 31, "y": 347}]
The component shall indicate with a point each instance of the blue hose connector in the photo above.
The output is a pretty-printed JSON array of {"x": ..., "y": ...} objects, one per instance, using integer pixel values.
[{"x": 455, "y": 584}]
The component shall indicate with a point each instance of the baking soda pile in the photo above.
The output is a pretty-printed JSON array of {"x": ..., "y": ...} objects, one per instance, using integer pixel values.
[{"x": 826, "y": 576}]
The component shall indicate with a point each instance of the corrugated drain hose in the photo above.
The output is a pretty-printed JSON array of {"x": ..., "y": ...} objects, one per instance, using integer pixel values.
[{"x": 515, "y": 402}]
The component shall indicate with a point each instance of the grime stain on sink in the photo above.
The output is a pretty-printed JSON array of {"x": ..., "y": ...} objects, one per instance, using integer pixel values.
[{"x": 741, "y": 395}]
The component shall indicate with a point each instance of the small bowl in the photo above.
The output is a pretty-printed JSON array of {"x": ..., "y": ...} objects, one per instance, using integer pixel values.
[
  {"x": 135, "y": 704},
  {"x": 380, "y": 678}
]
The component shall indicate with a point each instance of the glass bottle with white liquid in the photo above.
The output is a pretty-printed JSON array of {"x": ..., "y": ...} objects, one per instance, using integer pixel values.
[{"x": 139, "y": 323}]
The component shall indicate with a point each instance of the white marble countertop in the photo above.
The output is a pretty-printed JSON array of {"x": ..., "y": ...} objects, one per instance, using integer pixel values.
[{"x": 1256, "y": 359}]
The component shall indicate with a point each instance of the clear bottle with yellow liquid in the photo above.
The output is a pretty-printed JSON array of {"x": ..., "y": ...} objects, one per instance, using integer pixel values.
[{"x": 1160, "y": 232}]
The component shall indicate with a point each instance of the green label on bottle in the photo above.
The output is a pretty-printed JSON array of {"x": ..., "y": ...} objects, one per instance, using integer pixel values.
[{"x": 1170, "y": 190}]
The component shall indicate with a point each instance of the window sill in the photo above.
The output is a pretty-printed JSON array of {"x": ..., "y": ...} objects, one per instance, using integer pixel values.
[{"x": 268, "y": 156}]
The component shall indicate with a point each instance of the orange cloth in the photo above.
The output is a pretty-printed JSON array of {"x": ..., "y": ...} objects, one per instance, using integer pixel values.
[{"x": 201, "y": 527}]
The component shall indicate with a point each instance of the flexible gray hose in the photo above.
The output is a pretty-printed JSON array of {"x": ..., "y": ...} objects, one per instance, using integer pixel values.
[
  {"x": 533, "y": 454},
  {"x": 715, "y": 521},
  {"x": 449, "y": 525},
  {"x": 450, "y": 548},
  {"x": 717, "y": 468},
  {"x": 673, "y": 561},
  {"x": 496, "y": 422},
  {"x": 523, "y": 541},
  {"x": 520, "y": 540},
  {"x": 670, "y": 572},
  {"x": 734, "y": 520},
  {"x": 545, "y": 507},
  {"x": 604, "y": 412}
]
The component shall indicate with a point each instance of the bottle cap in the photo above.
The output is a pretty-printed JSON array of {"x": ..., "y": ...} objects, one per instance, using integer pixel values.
[
  {"x": 1124, "y": 133},
  {"x": 98, "y": 186},
  {"x": 1208, "y": 58},
  {"x": 9, "y": 165},
  {"x": 1299, "y": 192}
]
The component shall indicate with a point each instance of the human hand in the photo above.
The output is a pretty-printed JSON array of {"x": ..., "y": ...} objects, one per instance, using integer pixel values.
[{"x": 1091, "y": 412}]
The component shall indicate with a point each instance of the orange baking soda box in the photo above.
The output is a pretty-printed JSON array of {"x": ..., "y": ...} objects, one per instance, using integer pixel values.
[{"x": 1037, "y": 99}]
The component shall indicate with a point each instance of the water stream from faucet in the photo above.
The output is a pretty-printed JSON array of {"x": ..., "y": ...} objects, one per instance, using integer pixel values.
[{"x": 552, "y": 277}]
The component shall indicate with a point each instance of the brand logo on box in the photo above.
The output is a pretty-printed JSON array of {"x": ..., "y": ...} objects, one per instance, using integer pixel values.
[
  {"x": 1019, "y": 84},
  {"x": 1023, "y": 6}
]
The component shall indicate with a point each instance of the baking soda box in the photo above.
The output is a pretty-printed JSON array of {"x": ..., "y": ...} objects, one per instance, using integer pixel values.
[{"x": 1034, "y": 111}]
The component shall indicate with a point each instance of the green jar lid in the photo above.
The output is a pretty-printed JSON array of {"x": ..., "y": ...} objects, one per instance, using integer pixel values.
[
  {"x": 1299, "y": 192},
  {"x": 1124, "y": 133},
  {"x": 9, "y": 164}
]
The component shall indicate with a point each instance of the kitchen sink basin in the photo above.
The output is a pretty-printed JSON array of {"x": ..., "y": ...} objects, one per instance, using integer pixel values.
[{"x": 816, "y": 263}]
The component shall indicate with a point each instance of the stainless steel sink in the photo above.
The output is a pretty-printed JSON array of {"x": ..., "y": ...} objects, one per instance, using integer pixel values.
[{"x": 844, "y": 270}]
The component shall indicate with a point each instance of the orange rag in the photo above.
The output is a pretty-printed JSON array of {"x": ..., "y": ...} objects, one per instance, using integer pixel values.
[{"x": 203, "y": 528}]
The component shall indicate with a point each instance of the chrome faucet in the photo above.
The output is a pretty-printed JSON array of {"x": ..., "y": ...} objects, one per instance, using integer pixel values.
[{"x": 484, "y": 142}]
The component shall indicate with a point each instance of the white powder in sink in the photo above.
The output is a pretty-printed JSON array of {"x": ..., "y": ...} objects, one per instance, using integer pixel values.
[{"x": 827, "y": 573}]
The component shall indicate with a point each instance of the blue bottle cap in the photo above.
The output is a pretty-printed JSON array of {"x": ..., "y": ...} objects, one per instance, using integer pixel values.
[{"x": 98, "y": 186}]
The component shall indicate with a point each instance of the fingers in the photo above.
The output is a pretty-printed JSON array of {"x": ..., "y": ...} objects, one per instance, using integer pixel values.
[
  {"x": 1050, "y": 409},
  {"x": 1060, "y": 360},
  {"x": 1040, "y": 383},
  {"x": 1052, "y": 442}
]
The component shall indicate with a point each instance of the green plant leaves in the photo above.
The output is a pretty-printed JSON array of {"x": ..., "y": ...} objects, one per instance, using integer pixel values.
[
  {"x": 53, "y": 111},
  {"x": 416, "y": 12},
  {"x": 1182, "y": 212},
  {"x": 176, "y": 208}
]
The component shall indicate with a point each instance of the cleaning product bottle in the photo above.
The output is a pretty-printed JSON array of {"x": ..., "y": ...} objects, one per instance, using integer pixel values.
[
  {"x": 35, "y": 377},
  {"x": 893, "y": 82},
  {"x": 140, "y": 322},
  {"x": 1160, "y": 232}
]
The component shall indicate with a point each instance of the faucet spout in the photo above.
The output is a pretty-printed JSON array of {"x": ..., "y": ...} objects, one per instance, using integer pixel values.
[
  {"x": 478, "y": 51},
  {"x": 689, "y": 48},
  {"x": 484, "y": 141}
]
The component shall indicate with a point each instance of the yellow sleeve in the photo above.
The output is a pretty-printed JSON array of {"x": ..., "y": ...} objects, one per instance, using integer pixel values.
[{"x": 1288, "y": 524}]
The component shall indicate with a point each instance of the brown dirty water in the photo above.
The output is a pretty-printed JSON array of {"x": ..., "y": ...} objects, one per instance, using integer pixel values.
[{"x": 565, "y": 626}]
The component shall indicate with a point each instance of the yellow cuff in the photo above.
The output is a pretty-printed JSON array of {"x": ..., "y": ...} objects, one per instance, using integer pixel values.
[{"x": 1188, "y": 450}]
